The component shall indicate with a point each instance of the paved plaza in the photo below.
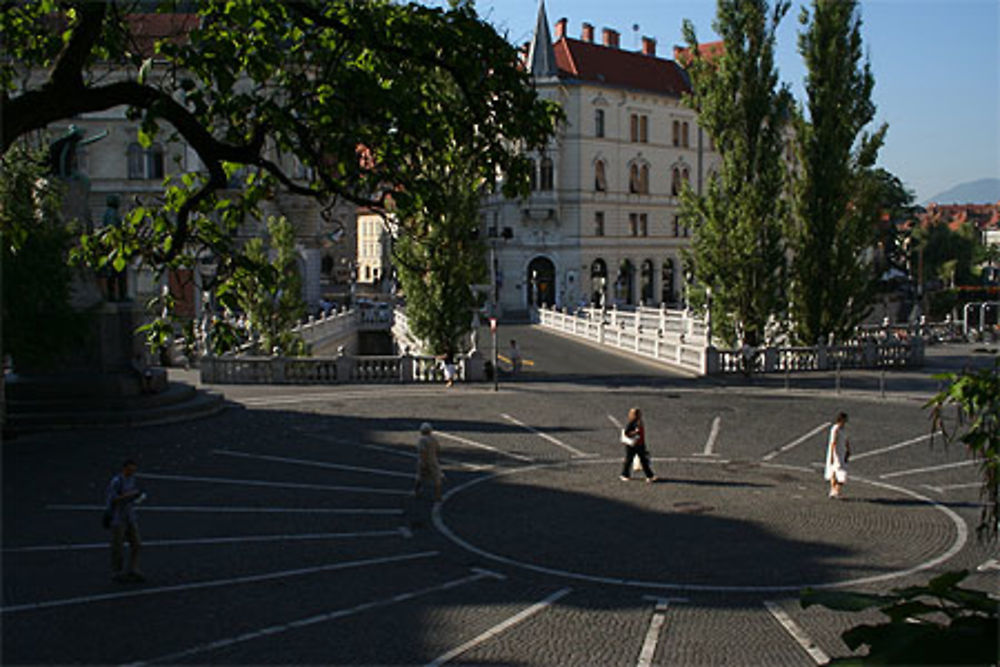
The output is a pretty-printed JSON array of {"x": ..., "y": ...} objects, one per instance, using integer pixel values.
[{"x": 284, "y": 531}]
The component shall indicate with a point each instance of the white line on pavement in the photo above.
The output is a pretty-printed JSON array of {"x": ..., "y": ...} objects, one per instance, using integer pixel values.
[
  {"x": 413, "y": 455},
  {"x": 795, "y": 443},
  {"x": 952, "y": 487},
  {"x": 263, "y": 401},
  {"x": 614, "y": 420},
  {"x": 712, "y": 436},
  {"x": 473, "y": 443},
  {"x": 905, "y": 443},
  {"x": 398, "y": 532},
  {"x": 545, "y": 436},
  {"x": 312, "y": 620},
  {"x": 500, "y": 627},
  {"x": 217, "y": 582},
  {"x": 653, "y": 633},
  {"x": 315, "y": 464},
  {"x": 815, "y": 652},
  {"x": 236, "y": 510},
  {"x": 917, "y": 471},
  {"x": 277, "y": 485}
]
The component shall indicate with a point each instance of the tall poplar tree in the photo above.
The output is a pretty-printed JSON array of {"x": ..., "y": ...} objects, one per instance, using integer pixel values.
[
  {"x": 738, "y": 248},
  {"x": 836, "y": 198}
]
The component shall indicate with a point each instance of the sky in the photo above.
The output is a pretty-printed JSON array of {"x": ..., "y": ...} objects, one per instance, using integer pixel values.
[{"x": 936, "y": 65}]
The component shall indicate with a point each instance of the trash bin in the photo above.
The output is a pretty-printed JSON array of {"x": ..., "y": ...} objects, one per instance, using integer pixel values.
[{"x": 488, "y": 371}]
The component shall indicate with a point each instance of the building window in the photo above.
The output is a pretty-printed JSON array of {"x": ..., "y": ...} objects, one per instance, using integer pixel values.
[
  {"x": 532, "y": 174},
  {"x": 600, "y": 179},
  {"x": 643, "y": 225},
  {"x": 598, "y": 281},
  {"x": 686, "y": 176},
  {"x": 684, "y": 135},
  {"x": 677, "y": 225},
  {"x": 644, "y": 129},
  {"x": 154, "y": 161},
  {"x": 675, "y": 181},
  {"x": 599, "y": 122},
  {"x": 546, "y": 176},
  {"x": 646, "y": 282},
  {"x": 677, "y": 133},
  {"x": 633, "y": 179},
  {"x": 644, "y": 179},
  {"x": 136, "y": 168},
  {"x": 633, "y": 128},
  {"x": 599, "y": 223},
  {"x": 633, "y": 224}
]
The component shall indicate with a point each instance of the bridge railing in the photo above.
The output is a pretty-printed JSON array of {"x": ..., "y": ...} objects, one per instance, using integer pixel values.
[
  {"x": 674, "y": 338},
  {"x": 344, "y": 369}
]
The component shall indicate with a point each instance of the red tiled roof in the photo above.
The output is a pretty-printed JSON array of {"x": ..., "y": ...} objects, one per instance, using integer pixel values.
[
  {"x": 709, "y": 51},
  {"x": 147, "y": 29},
  {"x": 588, "y": 61}
]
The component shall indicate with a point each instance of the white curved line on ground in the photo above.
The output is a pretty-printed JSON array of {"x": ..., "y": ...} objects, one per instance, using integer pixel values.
[
  {"x": 473, "y": 443},
  {"x": 545, "y": 436},
  {"x": 312, "y": 463},
  {"x": 795, "y": 443},
  {"x": 962, "y": 533},
  {"x": 898, "y": 445}
]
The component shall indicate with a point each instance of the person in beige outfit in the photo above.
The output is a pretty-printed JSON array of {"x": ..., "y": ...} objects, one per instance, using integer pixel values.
[{"x": 428, "y": 466}]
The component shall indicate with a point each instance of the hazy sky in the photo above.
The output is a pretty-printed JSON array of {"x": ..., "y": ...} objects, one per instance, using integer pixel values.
[{"x": 936, "y": 65}]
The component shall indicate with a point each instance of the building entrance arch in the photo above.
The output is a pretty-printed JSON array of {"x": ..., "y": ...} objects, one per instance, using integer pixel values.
[{"x": 541, "y": 282}]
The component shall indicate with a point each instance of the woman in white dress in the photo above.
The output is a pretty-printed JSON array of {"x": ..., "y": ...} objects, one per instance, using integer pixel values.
[{"x": 838, "y": 451}]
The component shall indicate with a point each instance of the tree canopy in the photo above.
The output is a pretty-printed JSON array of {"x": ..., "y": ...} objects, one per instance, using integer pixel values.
[
  {"x": 351, "y": 91},
  {"x": 738, "y": 246}
]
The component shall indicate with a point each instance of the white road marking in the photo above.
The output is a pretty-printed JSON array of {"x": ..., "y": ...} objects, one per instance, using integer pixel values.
[
  {"x": 313, "y": 620},
  {"x": 545, "y": 436},
  {"x": 653, "y": 633},
  {"x": 905, "y": 443},
  {"x": 263, "y": 401},
  {"x": 712, "y": 436},
  {"x": 277, "y": 485},
  {"x": 473, "y": 443},
  {"x": 398, "y": 532},
  {"x": 961, "y": 537},
  {"x": 500, "y": 627},
  {"x": 795, "y": 443},
  {"x": 413, "y": 455},
  {"x": 314, "y": 464},
  {"x": 236, "y": 510},
  {"x": 952, "y": 487},
  {"x": 614, "y": 420},
  {"x": 814, "y": 651},
  {"x": 991, "y": 564},
  {"x": 917, "y": 471},
  {"x": 216, "y": 583}
]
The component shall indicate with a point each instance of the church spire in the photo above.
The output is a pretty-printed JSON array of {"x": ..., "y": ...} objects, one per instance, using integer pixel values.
[{"x": 541, "y": 55}]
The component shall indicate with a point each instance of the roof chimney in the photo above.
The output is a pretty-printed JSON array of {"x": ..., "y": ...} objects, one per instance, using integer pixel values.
[
  {"x": 561, "y": 28},
  {"x": 588, "y": 33},
  {"x": 648, "y": 46},
  {"x": 610, "y": 37}
]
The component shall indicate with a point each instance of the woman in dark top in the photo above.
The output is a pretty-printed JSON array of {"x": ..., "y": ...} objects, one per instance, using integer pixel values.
[{"x": 636, "y": 430}]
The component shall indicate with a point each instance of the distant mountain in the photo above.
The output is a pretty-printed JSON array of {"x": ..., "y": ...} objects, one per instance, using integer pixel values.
[{"x": 983, "y": 191}]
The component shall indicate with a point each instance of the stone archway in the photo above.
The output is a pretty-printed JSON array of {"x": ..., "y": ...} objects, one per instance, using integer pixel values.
[
  {"x": 541, "y": 282},
  {"x": 625, "y": 284}
]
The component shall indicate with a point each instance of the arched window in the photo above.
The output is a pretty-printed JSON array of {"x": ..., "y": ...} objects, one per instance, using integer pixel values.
[
  {"x": 646, "y": 274},
  {"x": 600, "y": 179},
  {"x": 599, "y": 122},
  {"x": 136, "y": 168},
  {"x": 667, "y": 282},
  {"x": 624, "y": 292},
  {"x": 686, "y": 176},
  {"x": 675, "y": 181},
  {"x": 546, "y": 175},
  {"x": 644, "y": 179},
  {"x": 677, "y": 133},
  {"x": 633, "y": 179},
  {"x": 532, "y": 174},
  {"x": 598, "y": 281},
  {"x": 154, "y": 161}
]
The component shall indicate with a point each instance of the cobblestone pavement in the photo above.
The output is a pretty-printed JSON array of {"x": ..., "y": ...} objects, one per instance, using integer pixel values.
[{"x": 284, "y": 531}]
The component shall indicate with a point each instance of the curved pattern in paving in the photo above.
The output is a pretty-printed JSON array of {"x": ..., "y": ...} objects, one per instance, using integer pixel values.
[{"x": 706, "y": 525}]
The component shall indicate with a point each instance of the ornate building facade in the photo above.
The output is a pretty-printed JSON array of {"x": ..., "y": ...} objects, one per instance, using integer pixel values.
[{"x": 602, "y": 222}]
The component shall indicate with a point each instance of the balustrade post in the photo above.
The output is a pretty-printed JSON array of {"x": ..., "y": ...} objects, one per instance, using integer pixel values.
[
  {"x": 770, "y": 359},
  {"x": 663, "y": 317},
  {"x": 278, "y": 370},
  {"x": 600, "y": 331},
  {"x": 614, "y": 315},
  {"x": 822, "y": 357},
  {"x": 406, "y": 368}
]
